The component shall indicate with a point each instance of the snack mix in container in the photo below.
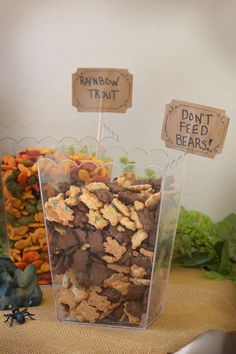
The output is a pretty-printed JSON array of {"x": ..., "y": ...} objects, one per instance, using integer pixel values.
[{"x": 110, "y": 240}]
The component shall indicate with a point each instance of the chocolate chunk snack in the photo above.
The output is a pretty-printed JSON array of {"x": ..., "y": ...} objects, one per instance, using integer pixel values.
[{"x": 101, "y": 245}]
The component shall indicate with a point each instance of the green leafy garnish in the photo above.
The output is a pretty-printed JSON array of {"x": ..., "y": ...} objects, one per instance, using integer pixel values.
[
  {"x": 197, "y": 259},
  {"x": 128, "y": 165},
  {"x": 84, "y": 149},
  {"x": 218, "y": 276},
  {"x": 194, "y": 233},
  {"x": 150, "y": 173},
  {"x": 207, "y": 245}
]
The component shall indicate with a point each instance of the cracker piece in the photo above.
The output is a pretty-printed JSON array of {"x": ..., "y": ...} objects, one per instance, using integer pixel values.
[
  {"x": 99, "y": 301},
  {"x": 135, "y": 320},
  {"x": 94, "y": 186},
  {"x": 140, "y": 187},
  {"x": 125, "y": 221},
  {"x": 80, "y": 293},
  {"x": 119, "y": 268},
  {"x": 121, "y": 207},
  {"x": 138, "y": 272},
  {"x": 73, "y": 195},
  {"x": 137, "y": 281},
  {"x": 66, "y": 297},
  {"x": 111, "y": 214},
  {"x": 57, "y": 210},
  {"x": 134, "y": 216},
  {"x": 138, "y": 205},
  {"x": 87, "y": 312},
  {"x": 119, "y": 282},
  {"x": 147, "y": 253},
  {"x": 138, "y": 238},
  {"x": 113, "y": 247},
  {"x": 90, "y": 200},
  {"x": 153, "y": 200},
  {"x": 96, "y": 219}
]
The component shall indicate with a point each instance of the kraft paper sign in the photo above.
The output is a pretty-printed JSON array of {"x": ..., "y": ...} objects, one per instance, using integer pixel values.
[
  {"x": 102, "y": 90},
  {"x": 194, "y": 128}
]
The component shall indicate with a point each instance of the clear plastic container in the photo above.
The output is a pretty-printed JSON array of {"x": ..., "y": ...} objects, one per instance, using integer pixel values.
[
  {"x": 110, "y": 242},
  {"x": 23, "y": 207}
]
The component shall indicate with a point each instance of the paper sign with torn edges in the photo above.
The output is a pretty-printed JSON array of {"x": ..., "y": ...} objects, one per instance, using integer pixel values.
[
  {"x": 194, "y": 128},
  {"x": 102, "y": 90}
]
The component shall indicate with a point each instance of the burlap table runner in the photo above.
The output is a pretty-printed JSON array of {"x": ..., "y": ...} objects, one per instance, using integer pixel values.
[{"x": 193, "y": 305}]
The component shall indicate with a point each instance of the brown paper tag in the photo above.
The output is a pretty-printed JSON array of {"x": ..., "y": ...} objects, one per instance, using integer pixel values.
[
  {"x": 102, "y": 90},
  {"x": 194, "y": 128}
]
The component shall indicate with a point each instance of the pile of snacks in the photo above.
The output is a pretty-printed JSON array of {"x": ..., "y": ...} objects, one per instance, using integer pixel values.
[
  {"x": 3, "y": 234},
  {"x": 101, "y": 242},
  {"x": 23, "y": 206}
]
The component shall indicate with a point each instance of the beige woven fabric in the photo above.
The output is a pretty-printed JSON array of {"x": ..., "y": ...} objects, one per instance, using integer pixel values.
[{"x": 193, "y": 305}]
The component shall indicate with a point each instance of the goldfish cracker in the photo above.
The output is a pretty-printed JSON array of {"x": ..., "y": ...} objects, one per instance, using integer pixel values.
[
  {"x": 32, "y": 180},
  {"x": 42, "y": 242},
  {"x": 27, "y": 195},
  {"x": 44, "y": 282},
  {"x": 35, "y": 187},
  {"x": 84, "y": 176},
  {"x": 8, "y": 167},
  {"x": 22, "y": 178},
  {"x": 97, "y": 161},
  {"x": 34, "y": 168},
  {"x": 14, "y": 250},
  {"x": 27, "y": 188},
  {"x": 25, "y": 169},
  {"x": 15, "y": 237},
  {"x": 17, "y": 233},
  {"x": 23, "y": 244},
  {"x": 24, "y": 213},
  {"x": 21, "y": 265},
  {"x": 37, "y": 263},
  {"x": 77, "y": 156},
  {"x": 25, "y": 157},
  {"x": 32, "y": 248},
  {"x": 16, "y": 203},
  {"x": 20, "y": 230},
  {"x": 13, "y": 211},
  {"x": 44, "y": 151},
  {"x": 45, "y": 267},
  {"x": 5, "y": 159},
  {"x": 16, "y": 257},
  {"x": 30, "y": 206},
  {"x": 38, "y": 217},
  {"x": 25, "y": 220},
  {"x": 31, "y": 256},
  {"x": 38, "y": 234}
]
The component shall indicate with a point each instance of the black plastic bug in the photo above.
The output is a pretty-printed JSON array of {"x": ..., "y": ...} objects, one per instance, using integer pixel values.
[{"x": 18, "y": 315}]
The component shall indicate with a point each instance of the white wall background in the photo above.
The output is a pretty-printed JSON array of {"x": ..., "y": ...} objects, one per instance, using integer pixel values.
[{"x": 182, "y": 49}]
